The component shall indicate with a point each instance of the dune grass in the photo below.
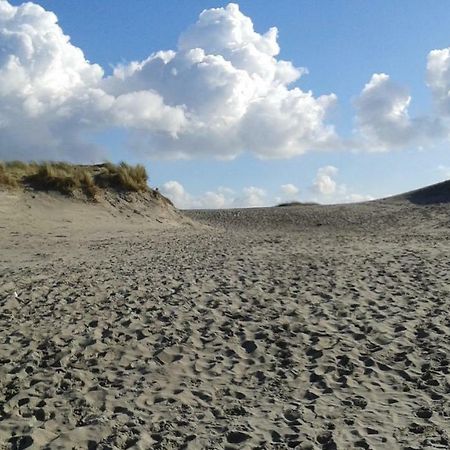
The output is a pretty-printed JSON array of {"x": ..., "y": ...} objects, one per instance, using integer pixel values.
[
  {"x": 124, "y": 176},
  {"x": 12, "y": 172},
  {"x": 70, "y": 178},
  {"x": 296, "y": 203}
]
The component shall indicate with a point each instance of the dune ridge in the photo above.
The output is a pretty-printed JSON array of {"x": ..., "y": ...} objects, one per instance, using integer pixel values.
[{"x": 435, "y": 194}]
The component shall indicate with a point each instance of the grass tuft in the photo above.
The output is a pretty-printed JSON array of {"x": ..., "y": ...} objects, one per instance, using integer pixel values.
[
  {"x": 70, "y": 178},
  {"x": 296, "y": 203},
  {"x": 122, "y": 177},
  {"x": 132, "y": 178},
  {"x": 54, "y": 177},
  {"x": 6, "y": 179}
]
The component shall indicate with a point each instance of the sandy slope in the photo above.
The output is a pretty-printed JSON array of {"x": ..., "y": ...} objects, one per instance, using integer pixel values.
[{"x": 307, "y": 327}]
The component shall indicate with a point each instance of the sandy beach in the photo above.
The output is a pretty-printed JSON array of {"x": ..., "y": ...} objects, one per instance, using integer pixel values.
[{"x": 308, "y": 327}]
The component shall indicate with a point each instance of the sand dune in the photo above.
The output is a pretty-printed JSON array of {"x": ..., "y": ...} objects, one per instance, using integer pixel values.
[
  {"x": 308, "y": 327},
  {"x": 436, "y": 194}
]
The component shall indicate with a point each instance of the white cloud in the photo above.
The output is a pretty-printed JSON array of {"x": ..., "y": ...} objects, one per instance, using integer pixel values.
[
  {"x": 289, "y": 189},
  {"x": 383, "y": 112},
  {"x": 252, "y": 197},
  {"x": 438, "y": 78},
  {"x": 325, "y": 190},
  {"x": 222, "y": 92},
  {"x": 356, "y": 198},
  {"x": 383, "y": 121},
  {"x": 145, "y": 110},
  {"x": 44, "y": 83},
  {"x": 233, "y": 90},
  {"x": 328, "y": 190},
  {"x": 223, "y": 197},
  {"x": 51, "y": 96},
  {"x": 324, "y": 182},
  {"x": 175, "y": 191}
]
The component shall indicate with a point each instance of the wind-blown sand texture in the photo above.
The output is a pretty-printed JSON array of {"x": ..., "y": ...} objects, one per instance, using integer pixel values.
[{"x": 304, "y": 327}]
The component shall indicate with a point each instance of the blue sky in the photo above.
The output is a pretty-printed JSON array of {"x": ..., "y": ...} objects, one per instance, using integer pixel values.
[{"x": 341, "y": 43}]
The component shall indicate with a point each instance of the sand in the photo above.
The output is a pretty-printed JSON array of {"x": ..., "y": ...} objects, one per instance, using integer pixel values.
[{"x": 306, "y": 327}]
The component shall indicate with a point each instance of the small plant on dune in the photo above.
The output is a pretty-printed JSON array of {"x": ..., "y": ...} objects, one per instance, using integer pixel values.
[
  {"x": 54, "y": 177},
  {"x": 108, "y": 167},
  {"x": 123, "y": 177},
  {"x": 133, "y": 178},
  {"x": 87, "y": 183}
]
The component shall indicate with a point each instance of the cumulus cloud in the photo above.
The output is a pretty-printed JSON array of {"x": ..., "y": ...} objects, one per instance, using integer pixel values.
[
  {"x": 438, "y": 78},
  {"x": 45, "y": 83},
  {"x": 175, "y": 191},
  {"x": 289, "y": 189},
  {"x": 223, "y": 91},
  {"x": 252, "y": 196},
  {"x": 51, "y": 97},
  {"x": 326, "y": 189},
  {"x": 383, "y": 120},
  {"x": 357, "y": 198},
  {"x": 324, "y": 182},
  {"x": 223, "y": 197},
  {"x": 235, "y": 93}
]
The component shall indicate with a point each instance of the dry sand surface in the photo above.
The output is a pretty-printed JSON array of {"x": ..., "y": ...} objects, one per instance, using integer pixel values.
[{"x": 306, "y": 327}]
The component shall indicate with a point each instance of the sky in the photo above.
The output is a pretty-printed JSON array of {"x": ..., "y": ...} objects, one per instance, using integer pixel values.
[{"x": 233, "y": 105}]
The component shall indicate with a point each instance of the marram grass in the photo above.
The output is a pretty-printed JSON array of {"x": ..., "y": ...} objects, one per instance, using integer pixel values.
[{"x": 70, "y": 178}]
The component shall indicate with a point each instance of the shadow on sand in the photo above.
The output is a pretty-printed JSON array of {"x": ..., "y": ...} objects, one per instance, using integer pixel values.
[{"x": 437, "y": 193}]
